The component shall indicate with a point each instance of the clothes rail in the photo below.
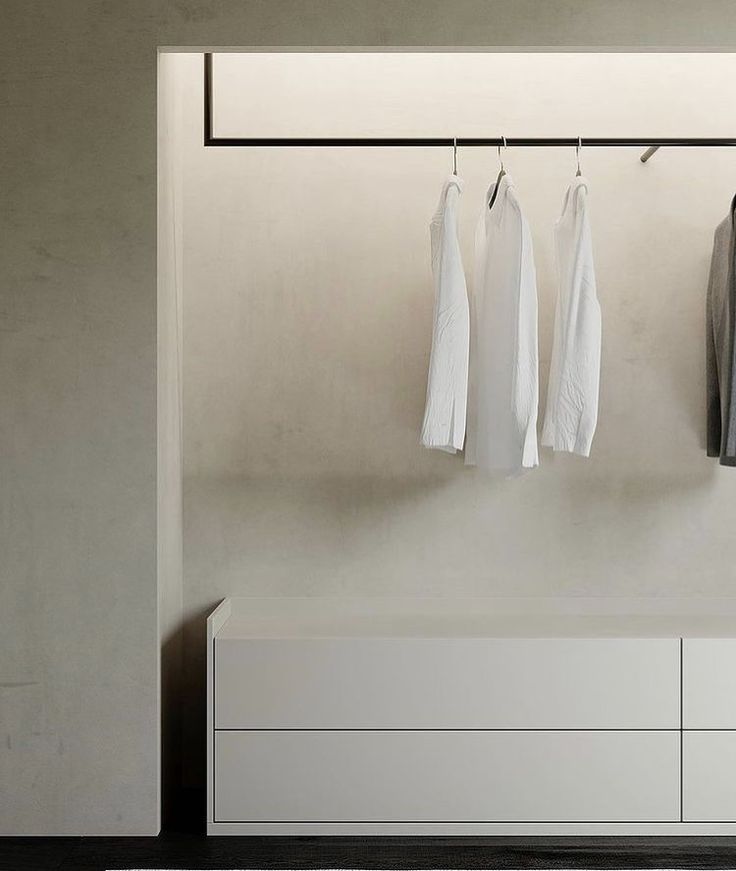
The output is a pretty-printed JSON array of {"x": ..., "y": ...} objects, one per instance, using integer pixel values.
[{"x": 652, "y": 144}]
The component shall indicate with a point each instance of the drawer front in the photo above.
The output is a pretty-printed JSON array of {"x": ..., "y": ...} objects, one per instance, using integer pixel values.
[
  {"x": 320, "y": 776},
  {"x": 447, "y": 683},
  {"x": 709, "y": 777},
  {"x": 709, "y": 683}
]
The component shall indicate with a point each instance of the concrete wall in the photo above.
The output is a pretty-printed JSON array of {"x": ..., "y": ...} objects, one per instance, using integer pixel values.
[{"x": 78, "y": 690}]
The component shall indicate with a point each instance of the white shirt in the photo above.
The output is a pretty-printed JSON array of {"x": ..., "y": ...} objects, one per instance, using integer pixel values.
[
  {"x": 572, "y": 395},
  {"x": 447, "y": 384},
  {"x": 504, "y": 381}
]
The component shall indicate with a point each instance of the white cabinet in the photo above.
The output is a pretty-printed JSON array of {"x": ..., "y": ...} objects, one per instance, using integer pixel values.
[
  {"x": 457, "y": 717},
  {"x": 709, "y": 683},
  {"x": 709, "y": 736},
  {"x": 709, "y": 776},
  {"x": 447, "y": 683},
  {"x": 448, "y": 776}
]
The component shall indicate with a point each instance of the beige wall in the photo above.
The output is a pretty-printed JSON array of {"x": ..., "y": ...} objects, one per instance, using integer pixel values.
[
  {"x": 78, "y": 689},
  {"x": 307, "y": 324}
]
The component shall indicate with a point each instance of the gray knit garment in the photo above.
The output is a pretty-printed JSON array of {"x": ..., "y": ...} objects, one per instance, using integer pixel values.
[{"x": 720, "y": 344}]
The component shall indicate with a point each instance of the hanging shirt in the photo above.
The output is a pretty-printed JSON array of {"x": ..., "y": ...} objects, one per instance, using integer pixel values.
[
  {"x": 721, "y": 347},
  {"x": 504, "y": 388},
  {"x": 572, "y": 394},
  {"x": 447, "y": 385}
]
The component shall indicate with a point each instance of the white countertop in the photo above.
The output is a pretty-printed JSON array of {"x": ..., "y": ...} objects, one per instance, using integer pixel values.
[{"x": 383, "y": 617}]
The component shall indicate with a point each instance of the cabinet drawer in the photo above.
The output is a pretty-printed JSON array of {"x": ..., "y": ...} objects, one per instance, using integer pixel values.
[
  {"x": 323, "y": 776},
  {"x": 709, "y": 683},
  {"x": 709, "y": 776},
  {"x": 447, "y": 683}
]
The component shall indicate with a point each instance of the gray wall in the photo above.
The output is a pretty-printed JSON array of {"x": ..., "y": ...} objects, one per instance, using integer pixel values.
[{"x": 78, "y": 688}]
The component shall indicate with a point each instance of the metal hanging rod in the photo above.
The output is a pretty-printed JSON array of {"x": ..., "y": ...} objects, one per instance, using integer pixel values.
[{"x": 652, "y": 144}]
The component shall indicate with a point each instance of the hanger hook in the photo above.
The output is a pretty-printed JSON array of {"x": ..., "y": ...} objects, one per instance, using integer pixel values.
[
  {"x": 578, "y": 148},
  {"x": 454, "y": 155},
  {"x": 500, "y": 157}
]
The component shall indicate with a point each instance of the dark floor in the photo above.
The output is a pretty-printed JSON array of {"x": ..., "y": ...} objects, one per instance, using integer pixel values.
[{"x": 197, "y": 851}]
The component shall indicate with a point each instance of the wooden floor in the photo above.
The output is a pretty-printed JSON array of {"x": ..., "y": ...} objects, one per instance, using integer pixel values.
[{"x": 176, "y": 851}]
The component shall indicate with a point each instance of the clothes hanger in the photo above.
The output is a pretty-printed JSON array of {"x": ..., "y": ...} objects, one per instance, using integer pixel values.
[
  {"x": 454, "y": 155},
  {"x": 501, "y": 174},
  {"x": 578, "y": 147}
]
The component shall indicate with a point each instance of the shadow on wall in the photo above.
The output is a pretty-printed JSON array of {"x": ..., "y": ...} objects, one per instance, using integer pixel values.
[
  {"x": 171, "y": 737},
  {"x": 183, "y": 726},
  {"x": 671, "y": 345},
  {"x": 367, "y": 536}
]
